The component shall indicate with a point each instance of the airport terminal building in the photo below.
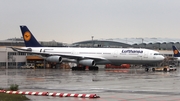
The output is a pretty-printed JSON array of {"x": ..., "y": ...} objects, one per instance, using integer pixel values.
[
  {"x": 149, "y": 43},
  {"x": 12, "y": 59}
]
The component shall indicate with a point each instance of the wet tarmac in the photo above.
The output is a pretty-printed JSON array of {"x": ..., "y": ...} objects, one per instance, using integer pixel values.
[{"x": 110, "y": 85}]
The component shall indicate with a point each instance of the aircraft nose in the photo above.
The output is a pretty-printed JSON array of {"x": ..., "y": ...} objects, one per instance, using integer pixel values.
[{"x": 162, "y": 57}]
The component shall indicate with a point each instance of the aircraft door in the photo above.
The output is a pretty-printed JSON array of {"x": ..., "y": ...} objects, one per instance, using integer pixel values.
[
  {"x": 145, "y": 55},
  {"x": 115, "y": 54},
  {"x": 140, "y": 56}
]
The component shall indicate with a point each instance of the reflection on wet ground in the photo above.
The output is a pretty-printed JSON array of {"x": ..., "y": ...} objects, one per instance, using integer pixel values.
[{"x": 110, "y": 85}]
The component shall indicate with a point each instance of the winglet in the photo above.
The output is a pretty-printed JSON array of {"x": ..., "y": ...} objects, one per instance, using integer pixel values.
[
  {"x": 29, "y": 39},
  {"x": 20, "y": 49},
  {"x": 14, "y": 49},
  {"x": 175, "y": 51}
]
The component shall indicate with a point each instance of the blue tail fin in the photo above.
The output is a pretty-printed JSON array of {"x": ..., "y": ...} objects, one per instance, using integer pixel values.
[
  {"x": 29, "y": 39},
  {"x": 176, "y": 51}
]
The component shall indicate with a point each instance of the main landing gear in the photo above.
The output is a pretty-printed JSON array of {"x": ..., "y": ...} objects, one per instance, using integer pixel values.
[
  {"x": 94, "y": 68},
  {"x": 79, "y": 68},
  {"x": 146, "y": 69},
  {"x": 91, "y": 68}
]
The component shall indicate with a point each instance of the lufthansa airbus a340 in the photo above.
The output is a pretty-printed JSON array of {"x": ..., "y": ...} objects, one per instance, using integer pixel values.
[{"x": 89, "y": 56}]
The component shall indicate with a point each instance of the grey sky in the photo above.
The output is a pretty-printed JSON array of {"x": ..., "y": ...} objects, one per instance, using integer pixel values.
[{"x": 77, "y": 20}]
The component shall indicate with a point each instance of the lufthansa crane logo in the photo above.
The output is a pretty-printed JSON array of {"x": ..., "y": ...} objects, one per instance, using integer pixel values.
[
  {"x": 175, "y": 51},
  {"x": 27, "y": 36}
]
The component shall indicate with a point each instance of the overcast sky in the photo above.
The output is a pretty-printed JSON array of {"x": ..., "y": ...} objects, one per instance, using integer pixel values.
[{"x": 71, "y": 21}]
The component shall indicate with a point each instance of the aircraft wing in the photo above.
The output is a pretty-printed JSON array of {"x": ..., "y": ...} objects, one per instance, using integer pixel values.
[
  {"x": 69, "y": 56},
  {"x": 28, "y": 50},
  {"x": 21, "y": 50},
  {"x": 73, "y": 56}
]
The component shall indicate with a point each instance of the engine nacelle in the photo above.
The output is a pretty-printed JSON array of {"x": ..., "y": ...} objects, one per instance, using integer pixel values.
[
  {"x": 57, "y": 59},
  {"x": 87, "y": 62}
]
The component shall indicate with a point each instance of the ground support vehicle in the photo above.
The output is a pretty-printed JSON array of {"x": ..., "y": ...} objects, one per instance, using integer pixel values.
[
  {"x": 165, "y": 68},
  {"x": 28, "y": 66}
]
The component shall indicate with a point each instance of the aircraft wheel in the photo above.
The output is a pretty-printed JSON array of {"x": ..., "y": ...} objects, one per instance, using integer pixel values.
[
  {"x": 93, "y": 68},
  {"x": 97, "y": 68},
  {"x": 78, "y": 68},
  {"x": 153, "y": 69},
  {"x": 89, "y": 67},
  {"x": 146, "y": 69},
  {"x": 73, "y": 68},
  {"x": 165, "y": 69},
  {"x": 82, "y": 68}
]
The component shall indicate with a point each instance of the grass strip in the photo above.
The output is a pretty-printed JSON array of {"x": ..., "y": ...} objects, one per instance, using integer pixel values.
[{"x": 13, "y": 97}]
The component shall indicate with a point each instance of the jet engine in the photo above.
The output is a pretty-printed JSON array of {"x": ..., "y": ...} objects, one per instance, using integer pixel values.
[
  {"x": 57, "y": 59},
  {"x": 87, "y": 62}
]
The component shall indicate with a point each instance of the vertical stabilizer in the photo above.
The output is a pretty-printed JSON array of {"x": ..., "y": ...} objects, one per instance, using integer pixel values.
[
  {"x": 29, "y": 39},
  {"x": 176, "y": 51}
]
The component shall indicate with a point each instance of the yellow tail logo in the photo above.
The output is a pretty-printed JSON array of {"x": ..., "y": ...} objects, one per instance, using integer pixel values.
[
  {"x": 175, "y": 51},
  {"x": 27, "y": 36}
]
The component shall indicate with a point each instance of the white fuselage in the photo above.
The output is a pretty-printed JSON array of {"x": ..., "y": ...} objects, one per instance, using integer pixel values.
[
  {"x": 104, "y": 55},
  {"x": 177, "y": 58}
]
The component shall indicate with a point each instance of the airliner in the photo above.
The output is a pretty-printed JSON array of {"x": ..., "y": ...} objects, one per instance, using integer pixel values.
[
  {"x": 176, "y": 53},
  {"x": 89, "y": 56}
]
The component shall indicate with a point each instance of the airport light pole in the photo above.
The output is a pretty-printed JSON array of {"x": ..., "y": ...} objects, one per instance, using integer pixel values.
[
  {"x": 142, "y": 40},
  {"x": 92, "y": 41}
]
